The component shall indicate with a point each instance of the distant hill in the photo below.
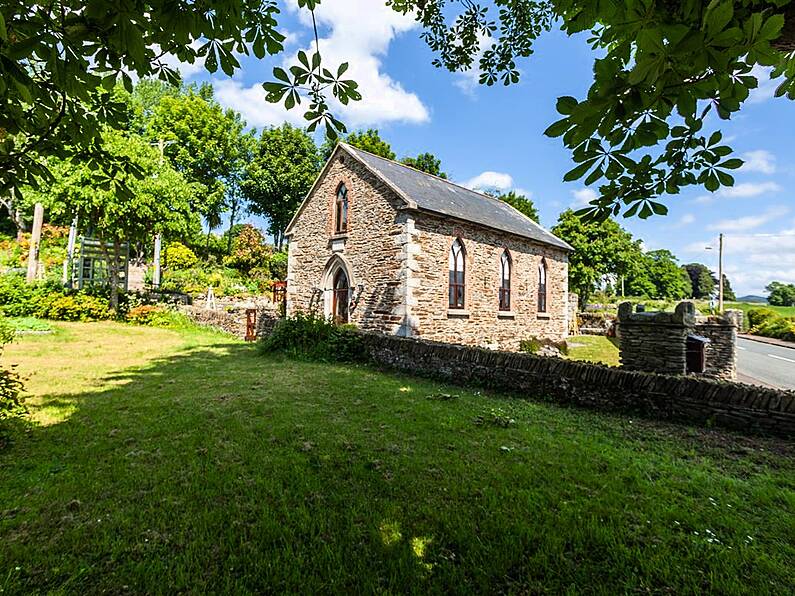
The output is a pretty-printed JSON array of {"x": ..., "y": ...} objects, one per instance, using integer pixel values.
[{"x": 755, "y": 299}]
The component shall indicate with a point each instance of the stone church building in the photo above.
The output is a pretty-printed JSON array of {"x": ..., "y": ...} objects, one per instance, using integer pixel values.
[{"x": 394, "y": 250}]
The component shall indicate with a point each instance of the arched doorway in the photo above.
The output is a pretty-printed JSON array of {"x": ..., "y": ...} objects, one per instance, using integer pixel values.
[
  {"x": 341, "y": 297},
  {"x": 338, "y": 282}
]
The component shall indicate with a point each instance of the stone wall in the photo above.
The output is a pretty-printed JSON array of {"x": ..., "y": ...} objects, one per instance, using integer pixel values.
[
  {"x": 721, "y": 352},
  {"x": 481, "y": 323},
  {"x": 231, "y": 316},
  {"x": 657, "y": 341},
  {"x": 664, "y": 397},
  {"x": 371, "y": 250}
]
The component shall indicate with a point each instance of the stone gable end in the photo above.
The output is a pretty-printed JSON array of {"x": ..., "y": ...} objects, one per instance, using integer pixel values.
[{"x": 371, "y": 248}]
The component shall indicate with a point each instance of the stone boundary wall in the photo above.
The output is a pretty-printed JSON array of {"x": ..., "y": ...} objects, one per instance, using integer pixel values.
[
  {"x": 664, "y": 397},
  {"x": 232, "y": 320}
]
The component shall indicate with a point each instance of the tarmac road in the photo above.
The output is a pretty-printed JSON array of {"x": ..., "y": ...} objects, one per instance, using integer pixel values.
[{"x": 766, "y": 364}]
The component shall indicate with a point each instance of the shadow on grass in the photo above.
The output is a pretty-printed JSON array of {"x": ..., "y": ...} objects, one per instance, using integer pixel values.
[{"x": 218, "y": 470}]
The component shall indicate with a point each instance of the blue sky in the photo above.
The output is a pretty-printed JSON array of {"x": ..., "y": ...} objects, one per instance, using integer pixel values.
[{"x": 494, "y": 136}]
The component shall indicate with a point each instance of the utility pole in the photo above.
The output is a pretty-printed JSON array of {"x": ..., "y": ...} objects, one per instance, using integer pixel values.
[
  {"x": 35, "y": 238},
  {"x": 720, "y": 274},
  {"x": 161, "y": 144}
]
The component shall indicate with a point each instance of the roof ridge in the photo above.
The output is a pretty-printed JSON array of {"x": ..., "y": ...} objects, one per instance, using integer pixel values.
[
  {"x": 495, "y": 201},
  {"x": 400, "y": 163}
]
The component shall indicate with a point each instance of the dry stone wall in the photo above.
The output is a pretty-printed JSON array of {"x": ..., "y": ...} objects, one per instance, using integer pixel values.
[
  {"x": 232, "y": 317},
  {"x": 665, "y": 397},
  {"x": 657, "y": 341}
]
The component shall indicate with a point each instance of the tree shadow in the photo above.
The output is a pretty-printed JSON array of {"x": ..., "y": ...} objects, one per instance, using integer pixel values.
[{"x": 217, "y": 470}]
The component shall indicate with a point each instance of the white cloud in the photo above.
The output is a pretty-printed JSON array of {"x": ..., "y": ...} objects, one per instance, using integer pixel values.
[
  {"x": 748, "y": 222},
  {"x": 766, "y": 88},
  {"x": 360, "y": 32},
  {"x": 469, "y": 80},
  {"x": 748, "y": 189},
  {"x": 748, "y": 258},
  {"x": 251, "y": 103},
  {"x": 759, "y": 161},
  {"x": 488, "y": 180},
  {"x": 687, "y": 219},
  {"x": 186, "y": 69},
  {"x": 583, "y": 196}
]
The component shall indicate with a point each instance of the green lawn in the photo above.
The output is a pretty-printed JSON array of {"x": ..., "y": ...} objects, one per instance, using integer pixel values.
[
  {"x": 593, "y": 348},
  {"x": 185, "y": 463}
]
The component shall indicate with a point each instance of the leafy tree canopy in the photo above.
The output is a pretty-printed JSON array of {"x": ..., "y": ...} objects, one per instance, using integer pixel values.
[
  {"x": 204, "y": 141},
  {"x": 521, "y": 203},
  {"x": 702, "y": 281},
  {"x": 728, "y": 293},
  {"x": 657, "y": 275},
  {"x": 370, "y": 140},
  {"x": 781, "y": 294},
  {"x": 426, "y": 162},
  {"x": 662, "y": 68},
  {"x": 160, "y": 200},
  {"x": 280, "y": 174},
  {"x": 600, "y": 249}
]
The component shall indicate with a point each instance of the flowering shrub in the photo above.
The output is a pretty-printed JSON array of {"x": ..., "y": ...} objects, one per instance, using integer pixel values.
[
  {"x": 49, "y": 301},
  {"x": 74, "y": 307},
  {"x": 179, "y": 257},
  {"x": 249, "y": 250}
]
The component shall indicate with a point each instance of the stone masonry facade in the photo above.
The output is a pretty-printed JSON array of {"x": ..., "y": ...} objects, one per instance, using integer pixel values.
[
  {"x": 371, "y": 249},
  {"x": 397, "y": 261},
  {"x": 657, "y": 341},
  {"x": 481, "y": 322}
]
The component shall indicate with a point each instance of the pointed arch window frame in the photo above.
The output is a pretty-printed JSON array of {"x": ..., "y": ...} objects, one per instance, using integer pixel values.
[
  {"x": 542, "y": 285},
  {"x": 341, "y": 209},
  {"x": 506, "y": 266},
  {"x": 456, "y": 265}
]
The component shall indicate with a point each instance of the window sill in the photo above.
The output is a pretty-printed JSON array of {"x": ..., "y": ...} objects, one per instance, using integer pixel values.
[
  {"x": 339, "y": 236},
  {"x": 457, "y": 313},
  {"x": 543, "y": 316},
  {"x": 506, "y": 314}
]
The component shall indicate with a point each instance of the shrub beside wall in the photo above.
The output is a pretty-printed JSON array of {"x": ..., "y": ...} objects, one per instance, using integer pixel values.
[{"x": 768, "y": 323}]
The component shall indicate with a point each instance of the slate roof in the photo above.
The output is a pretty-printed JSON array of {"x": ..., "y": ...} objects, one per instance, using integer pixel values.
[{"x": 431, "y": 193}]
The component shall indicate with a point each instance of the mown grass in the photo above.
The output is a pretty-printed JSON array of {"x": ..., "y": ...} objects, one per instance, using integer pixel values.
[
  {"x": 593, "y": 348},
  {"x": 184, "y": 462}
]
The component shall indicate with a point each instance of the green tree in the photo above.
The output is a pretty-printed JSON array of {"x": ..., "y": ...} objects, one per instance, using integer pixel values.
[
  {"x": 426, "y": 162},
  {"x": 701, "y": 280},
  {"x": 662, "y": 70},
  {"x": 281, "y": 172},
  {"x": 600, "y": 249},
  {"x": 780, "y": 294},
  {"x": 124, "y": 210},
  {"x": 659, "y": 276},
  {"x": 207, "y": 144},
  {"x": 728, "y": 293},
  {"x": 521, "y": 203},
  {"x": 370, "y": 140},
  {"x": 250, "y": 250}
]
